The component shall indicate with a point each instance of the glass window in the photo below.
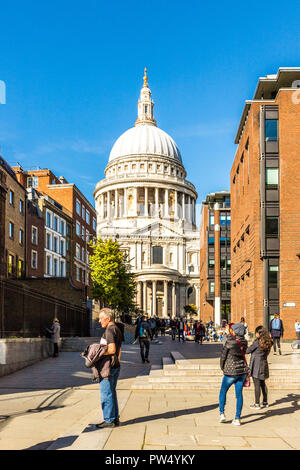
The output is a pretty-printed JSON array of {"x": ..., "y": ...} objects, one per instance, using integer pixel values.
[
  {"x": 211, "y": 287},
  {"x": 271, "y": 176},
  {"x": 94, "y": 223},
  {"x": 68, "y": 229},
  {"x": 48, "y": 265},
  {"x": 62, "y": 227},
  {"x": 228, "y": 219},
  {"x": 271, "y": 226},
  {"x": 48, "y": 241},
  {"x": 11, "y": 230},
  {"x": 21, "y": 237},
  {"x": 77, "y": 251},
  {"x": 78, "y": 231},
  {"x": 20, "y": 267},
  {"x": 34, "y": 260},
  {"x": 11, "y": 260},
  {"x": 78, "y": 206},
  {"x": 227, "y": 201},
  {"x": 273, "y": 276},
  {"x": 11, "y": 198},
  {"x": 32, "y": 182},
  {"x": 83, "y": 212},
  {"x": 55, "y": 245},
  {"x": 21, "y": 206},
  {"x": 271, "y": 130},
  {"x": 223, "y": 264},
  {"x": 55, "y": 267},
  {"x": 212, "y": 220},
  {"x": 211, "y": 263},
  {"x": 48, "y": 220},
  {"x": 87, "y": 216},
  {"x": 157, "y": 255},
  {"x": 211, "y": 240},
  {"x": 62, "y": 247},
  {"x": 62, "y": 269},
  {"x": 222, "y": 220},
  {"x": 55, "y": 223},
  {"x": 34, "y": 235}
]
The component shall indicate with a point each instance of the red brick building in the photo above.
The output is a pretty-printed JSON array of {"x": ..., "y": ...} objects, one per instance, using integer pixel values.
[
  {"x": 265, "y": 191},
  {"x": 215, "y": 260}
]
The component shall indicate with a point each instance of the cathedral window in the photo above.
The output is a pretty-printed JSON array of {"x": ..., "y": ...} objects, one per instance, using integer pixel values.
[{"x": 157, "y": 255}]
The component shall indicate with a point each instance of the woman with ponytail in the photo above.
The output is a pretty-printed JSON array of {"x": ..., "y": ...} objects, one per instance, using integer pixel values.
[{"x": 259, "y": 368}]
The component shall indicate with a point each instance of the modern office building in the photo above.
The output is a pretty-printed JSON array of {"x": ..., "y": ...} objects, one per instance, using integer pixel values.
[
  {"x": 215, "y": 257},
  {"x": 265, "y": 190}
]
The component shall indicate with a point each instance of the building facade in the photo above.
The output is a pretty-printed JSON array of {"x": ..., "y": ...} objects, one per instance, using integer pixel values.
[
  {"x": 13, "y": 225},
  {"x": 264, "y": 204},
  {"x": 215, "y": 257},
  {"x": 146, "y": 203}
]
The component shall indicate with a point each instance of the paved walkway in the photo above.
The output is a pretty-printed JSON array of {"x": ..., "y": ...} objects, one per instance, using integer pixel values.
[{"x": 53, "y": 405}]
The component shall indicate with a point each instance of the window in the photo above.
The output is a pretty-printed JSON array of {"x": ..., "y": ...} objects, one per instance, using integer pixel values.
[
  {"x": 34, "y": 259},
  {"x": 271, "y": 176},
  {"x": 48, "y": 220},
  {"x": 211, "y": 263},
  {"x": 34, "y": 235},
  {"x": 82, "y": 232},
  {"x": 271, "y": 130},
  {"x": 62, "y": 269},
  {"x": 32, "y": 182},
  {"x": 11, "y": 230},
  {"x": 62, "y": 227},
  {"x": 62, "y": 247},
  {"x": 78, "y": 231},
  {"x": 78, "y": 206},
  {"x": 211, "y": 240},
  {"x": 48, "y": 241},
  {"x": 94, "y": 224},
  {"x": 11, "y": 197},
  {"x": 55, "y": 267},
  {"x": 77, "y": 251},
  {"x": 68, "y": 229},
  {"x": 21, "y": 236},
  {"x": 211, "y": 287},
  {"x": 55, "y": 244},
  {"x": 87, "y": 216},
  {"x": 211, "y": 220},
  {"x": 157, "y": 255},
  {"x": 227, "y": 201},
  {"x": 77, "y": 273},
  {"x": 48, "y": 266},
  {"x": 20, "y": 267},
  {"x": 11, "y": 262},
  {"x": 171, "y": 258},
  {"x": 55, "y": 223},
  {"x": 223, "y": 264},
  {"x": 273, "y": 276},
  {"x": 146, "y": 109},
  {"x": 68, "y": 246},
  {"x": 222, "y": 220},
  {"x": 21, "y": 207},
  {"x": 272, "y": 226},
  {"x": 83, "y": 213}
]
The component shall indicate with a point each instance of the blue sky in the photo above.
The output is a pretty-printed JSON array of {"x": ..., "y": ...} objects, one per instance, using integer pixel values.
[{"x": 73, "y": 71}]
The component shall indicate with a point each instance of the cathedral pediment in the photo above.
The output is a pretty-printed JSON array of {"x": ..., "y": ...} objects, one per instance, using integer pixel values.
[{"x": 157, "y": 229}]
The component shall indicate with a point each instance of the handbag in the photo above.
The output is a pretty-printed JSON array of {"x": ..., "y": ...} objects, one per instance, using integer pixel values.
[{"x": 247, "y": 382}]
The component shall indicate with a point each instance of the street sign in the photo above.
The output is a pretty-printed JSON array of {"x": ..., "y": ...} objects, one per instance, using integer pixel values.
[{"x": 289, "y": 304}]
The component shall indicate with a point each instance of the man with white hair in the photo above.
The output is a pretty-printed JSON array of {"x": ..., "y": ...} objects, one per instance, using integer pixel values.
[{"x": 112, "y": 337}]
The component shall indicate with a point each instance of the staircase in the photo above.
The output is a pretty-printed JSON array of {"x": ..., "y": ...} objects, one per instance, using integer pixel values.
[
  {"x": 77, "y": 343},
  {"x": 178, "y": 373}
]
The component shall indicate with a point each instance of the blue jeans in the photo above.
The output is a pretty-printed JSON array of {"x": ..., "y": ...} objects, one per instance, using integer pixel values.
[
  {"x": 238, "y": 381},
  {"x": 108, "y": 396}
]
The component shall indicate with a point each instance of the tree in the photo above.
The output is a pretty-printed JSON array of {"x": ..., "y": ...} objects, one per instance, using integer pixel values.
[
  {"x": 113, "y": 283},
  {"x": 191, "y": 309}
]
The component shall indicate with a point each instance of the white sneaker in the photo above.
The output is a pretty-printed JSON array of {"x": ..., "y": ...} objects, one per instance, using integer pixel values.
[
  {"x": 222, "y": 418},
  {"x": 236, "y": 422}
]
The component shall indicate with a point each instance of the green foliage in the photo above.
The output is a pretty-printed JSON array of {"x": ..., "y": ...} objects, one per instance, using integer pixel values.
[{"x": 113, "y": 283}]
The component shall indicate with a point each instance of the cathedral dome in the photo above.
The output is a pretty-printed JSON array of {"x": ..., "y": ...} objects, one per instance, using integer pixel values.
[{"x": 145, "y": 139}]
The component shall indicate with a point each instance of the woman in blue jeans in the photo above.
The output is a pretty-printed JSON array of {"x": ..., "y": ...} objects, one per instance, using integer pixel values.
[{"x": 234, "y": 368}]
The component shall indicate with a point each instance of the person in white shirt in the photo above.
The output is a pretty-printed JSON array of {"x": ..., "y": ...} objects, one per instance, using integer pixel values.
[{"x": 297, "y": 328}]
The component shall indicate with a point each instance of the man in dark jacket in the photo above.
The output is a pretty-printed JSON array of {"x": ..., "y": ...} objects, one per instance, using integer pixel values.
[
  {"x": 143, "y": 333},
  {"x": 276, "y": 330}
]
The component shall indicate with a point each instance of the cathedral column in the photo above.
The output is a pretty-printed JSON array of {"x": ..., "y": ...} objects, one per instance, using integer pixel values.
[
  {"x": 136, "y": 200},
  {"x": 183, "y": 206},
  {"x": 125, "y": 203},
  {"x": 116, "y": 203},
  {"x": 166, "y": 203},
  {"x": 154, "y": 298},
  {"x": 174, "y": 312},
  {"x": 102, "y": 206},
  {"x": 156, "y": 203},
  {"x": 146, "y": 212},
  {"x": 176, "y": 204},
  {"x": 108, "y": 205},
  {"x": 145, "y": 297},
  {"x": 165, "y": 312}
]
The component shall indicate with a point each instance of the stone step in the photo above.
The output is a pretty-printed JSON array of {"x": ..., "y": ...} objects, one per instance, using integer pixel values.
[
  {"x": 175, "y": 372},
  {"x": 204, "y": 386},
  {"x": 159, "y": 378}
]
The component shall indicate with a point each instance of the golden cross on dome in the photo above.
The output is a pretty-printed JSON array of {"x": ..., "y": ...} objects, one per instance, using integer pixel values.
[{"x": 145, "y": 78}]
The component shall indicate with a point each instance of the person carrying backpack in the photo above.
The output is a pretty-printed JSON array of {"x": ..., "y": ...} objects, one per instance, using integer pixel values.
[{"x": 143, "y": 334}]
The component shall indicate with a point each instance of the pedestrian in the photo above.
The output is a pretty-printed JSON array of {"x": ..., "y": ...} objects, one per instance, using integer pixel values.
[
  {"x": 173, "y": 325},
  {"x": 180, "y": 330},
  {"x": 111, "y": 337},
  {"x": 152, "y": 324},
  {"x": 144, "y": 334},
  {"x": 163, "y": 327},
  {"x": 197, "y": 331},
  {"x": 297, "y": 328},
  {"x": 54, "y": 331},
  {"x": 201, "y": 332},
  {"x": 276, "y": 330},
  {"x": 234, "y": 368},
  {"x": 259, "y": 368},
  {"x": 157, "y": 326}
]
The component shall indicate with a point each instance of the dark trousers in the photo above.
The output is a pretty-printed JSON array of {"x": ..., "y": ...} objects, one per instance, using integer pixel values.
[
  {"x": 276, "y": 340},
  {"x": 55, "y": 353},
  {"x": 260, "y": 385},
  {"x": 144, "y": 344},
  {"x": 180, "y": 334},
  {"x": 173, "y": 331}
]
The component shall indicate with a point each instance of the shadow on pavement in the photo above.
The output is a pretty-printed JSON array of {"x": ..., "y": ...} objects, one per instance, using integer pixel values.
[{"x": 291, "y": 398}]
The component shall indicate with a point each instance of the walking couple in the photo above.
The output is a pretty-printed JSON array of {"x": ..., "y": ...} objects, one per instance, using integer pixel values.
[{"x": 235, "y": 368}]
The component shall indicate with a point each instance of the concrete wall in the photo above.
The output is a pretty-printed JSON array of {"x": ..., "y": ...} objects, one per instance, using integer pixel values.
[{"x": 18, "y": 353}]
